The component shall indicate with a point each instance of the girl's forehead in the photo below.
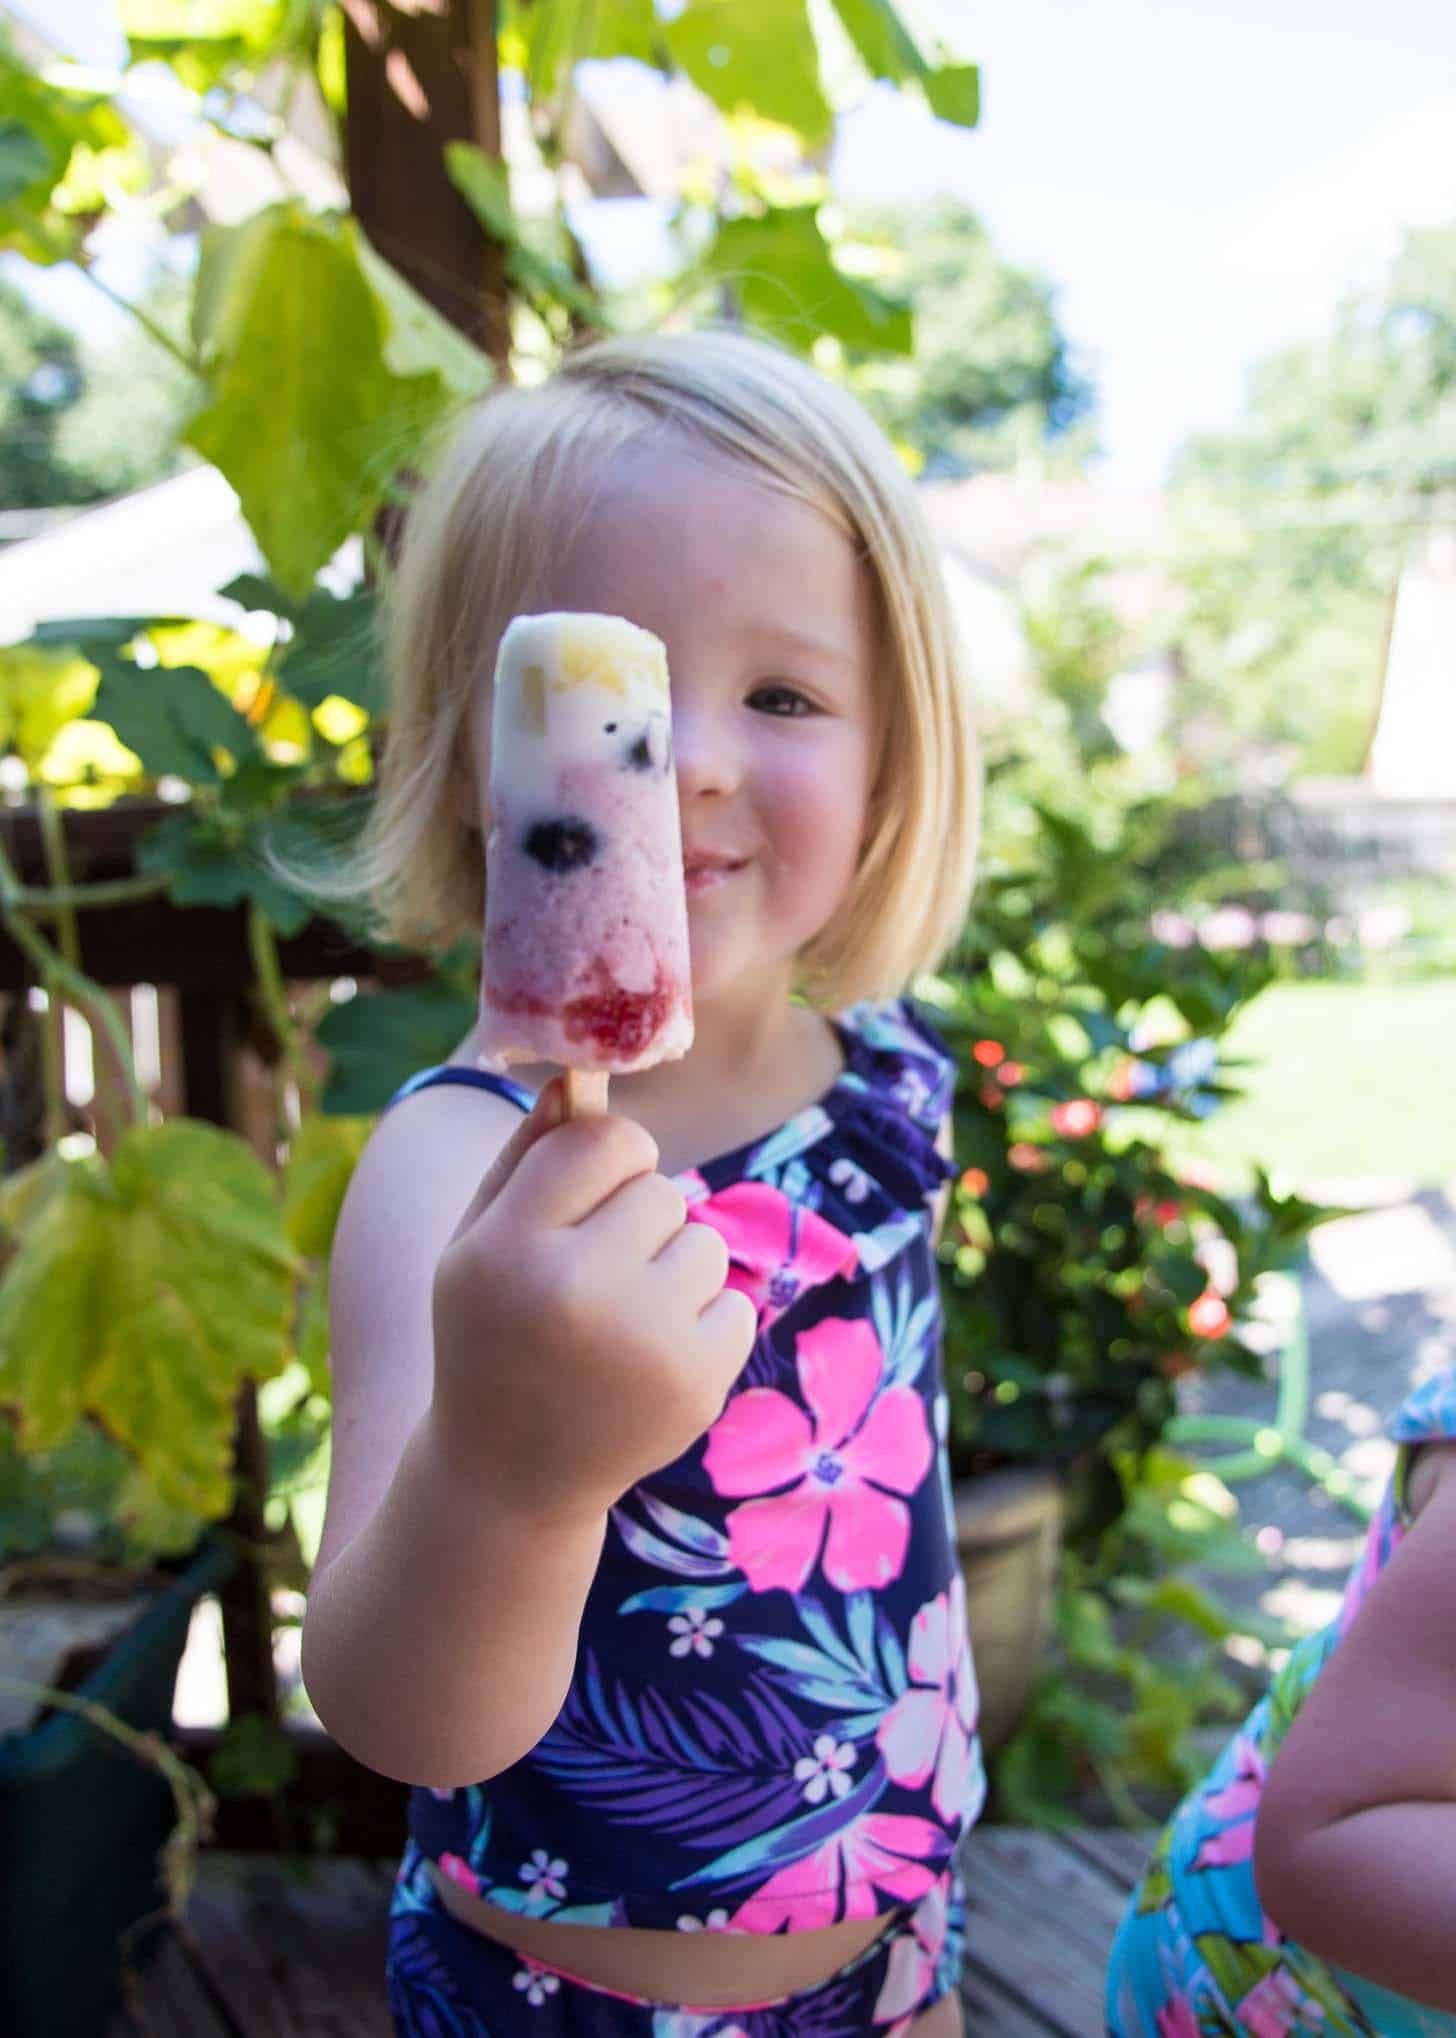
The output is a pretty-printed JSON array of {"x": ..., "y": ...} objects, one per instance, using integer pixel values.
[{"x": 670, "y": 527}]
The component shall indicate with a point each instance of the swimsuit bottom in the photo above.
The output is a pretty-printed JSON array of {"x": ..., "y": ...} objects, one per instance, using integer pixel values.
[{"x": 447, "y": 1981}]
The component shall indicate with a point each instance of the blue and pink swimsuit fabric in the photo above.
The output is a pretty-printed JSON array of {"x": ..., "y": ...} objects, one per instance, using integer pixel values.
[{"x": 771, "y": 1726}]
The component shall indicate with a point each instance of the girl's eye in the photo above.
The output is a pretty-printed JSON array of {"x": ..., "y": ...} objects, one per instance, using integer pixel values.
[{"x": 784, "y": 701}]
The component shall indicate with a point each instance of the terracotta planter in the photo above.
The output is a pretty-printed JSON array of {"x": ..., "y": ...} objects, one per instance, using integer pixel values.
[{"x": 1008, "y": 1533}]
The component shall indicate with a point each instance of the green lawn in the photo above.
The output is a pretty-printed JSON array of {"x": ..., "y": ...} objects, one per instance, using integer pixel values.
[{"x": 1344, "y": 1079}]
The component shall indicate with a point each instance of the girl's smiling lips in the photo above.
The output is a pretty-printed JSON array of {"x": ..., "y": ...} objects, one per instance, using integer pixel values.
[{"x": 704, "y": 869}]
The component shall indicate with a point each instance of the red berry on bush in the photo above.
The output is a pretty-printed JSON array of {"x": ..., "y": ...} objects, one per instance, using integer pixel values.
[
  {"x": 1208, "y": 1316},
  {"x": 1077, "y": 1119}
]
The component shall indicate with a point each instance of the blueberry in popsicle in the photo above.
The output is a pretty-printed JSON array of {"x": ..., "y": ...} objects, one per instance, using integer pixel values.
[{"x": 585, "y": 960}]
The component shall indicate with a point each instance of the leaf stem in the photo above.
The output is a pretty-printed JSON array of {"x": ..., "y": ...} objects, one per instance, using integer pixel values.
[
  {"x": 148, "y": 324},
  {"x": 263, "y": 946},
  {"x": 194, "y": 1802}
]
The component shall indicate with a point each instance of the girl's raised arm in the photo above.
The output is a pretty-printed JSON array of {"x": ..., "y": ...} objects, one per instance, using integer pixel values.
[{"x": 1355, "y": 1845}]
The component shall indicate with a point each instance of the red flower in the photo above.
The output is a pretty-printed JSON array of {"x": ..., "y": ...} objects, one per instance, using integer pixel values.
[
  {"x": 988, "y": 1053},
  {"x": 1029, "y": 1158},
  {"x": 1010, "y": 1073},
  {"x": 1077, "y": 1119},
  {"x": 990, "y": 1096},
  {"x": 1208, "y": 1316},
  {"x": 975, "y": 1182}
]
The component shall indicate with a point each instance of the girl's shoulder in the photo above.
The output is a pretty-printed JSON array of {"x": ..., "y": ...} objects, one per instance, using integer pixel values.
[{"x": 893, "y": 1052}]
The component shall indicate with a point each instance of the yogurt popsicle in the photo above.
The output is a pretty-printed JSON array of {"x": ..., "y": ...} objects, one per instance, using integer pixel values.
[{"x": 586, "y": 938}]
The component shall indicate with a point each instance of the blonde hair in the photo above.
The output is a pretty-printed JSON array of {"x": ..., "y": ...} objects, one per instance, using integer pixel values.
[{"x": 512, "y": 478}]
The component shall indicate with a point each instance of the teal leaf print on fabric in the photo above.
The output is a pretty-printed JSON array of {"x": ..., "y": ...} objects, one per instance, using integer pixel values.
[{"x": 678, "y": 1598}]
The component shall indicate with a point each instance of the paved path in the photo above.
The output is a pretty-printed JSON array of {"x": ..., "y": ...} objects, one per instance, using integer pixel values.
[{"x": 1379, "y": 1300}]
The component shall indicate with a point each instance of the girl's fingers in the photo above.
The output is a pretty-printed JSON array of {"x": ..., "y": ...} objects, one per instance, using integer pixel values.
[
  {"x": 696, "y": 1260},
  {"x": 563, "y": 1180},
  {"x": 639, "y": 1219},
  {"x": 727, "y": 1329}
]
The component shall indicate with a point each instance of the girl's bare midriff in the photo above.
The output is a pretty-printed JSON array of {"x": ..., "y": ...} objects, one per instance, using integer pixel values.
[{"x": 708, "y": 1969}]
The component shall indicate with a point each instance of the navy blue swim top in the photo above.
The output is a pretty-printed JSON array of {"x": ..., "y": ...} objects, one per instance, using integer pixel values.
[{"x": 771, "y": 1724}]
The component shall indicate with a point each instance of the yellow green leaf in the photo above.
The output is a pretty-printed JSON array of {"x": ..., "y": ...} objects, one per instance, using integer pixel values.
[
  {"x": 40, "y": 692},
  {"x": 305, "y": 419},
  {"x": 321, "y": 1159},
  {"x": 764, "y": 59},
  {"x": 143, "y": 1292}
]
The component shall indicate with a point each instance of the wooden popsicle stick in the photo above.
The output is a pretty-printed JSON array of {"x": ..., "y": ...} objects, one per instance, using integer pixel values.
[{"x": 584, "y": 1091}]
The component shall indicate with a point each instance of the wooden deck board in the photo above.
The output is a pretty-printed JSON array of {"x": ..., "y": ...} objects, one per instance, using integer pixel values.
[{"x": 278, "y": 1949}]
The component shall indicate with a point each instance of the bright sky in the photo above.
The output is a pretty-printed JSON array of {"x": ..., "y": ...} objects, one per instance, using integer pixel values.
[{"x": 1200, "y": 179}]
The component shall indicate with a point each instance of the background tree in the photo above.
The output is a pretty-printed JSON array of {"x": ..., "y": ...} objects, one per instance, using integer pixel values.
[
  {"x": 993, "y": 378},
  {"x": 40, "y": 380},
  {"x": 1294, "y": 526}
]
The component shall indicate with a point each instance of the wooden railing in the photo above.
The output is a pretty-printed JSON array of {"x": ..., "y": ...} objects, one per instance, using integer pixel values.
[{"x": 182, "y": 978}]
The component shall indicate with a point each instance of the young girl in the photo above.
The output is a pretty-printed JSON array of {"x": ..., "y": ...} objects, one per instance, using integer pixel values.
[
  {"x": 1310, "y": 1883},
  {"x": 638, "y": 1561}
]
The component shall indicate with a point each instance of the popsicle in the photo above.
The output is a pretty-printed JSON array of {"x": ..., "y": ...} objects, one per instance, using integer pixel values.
[{"x": 585, "y": 960}]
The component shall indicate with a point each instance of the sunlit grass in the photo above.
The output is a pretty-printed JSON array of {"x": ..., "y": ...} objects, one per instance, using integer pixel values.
[{"x": 1344, "y": 1079}]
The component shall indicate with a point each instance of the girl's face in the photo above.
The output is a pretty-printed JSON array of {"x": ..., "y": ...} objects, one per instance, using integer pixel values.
[{"x": 768, "y": 620}]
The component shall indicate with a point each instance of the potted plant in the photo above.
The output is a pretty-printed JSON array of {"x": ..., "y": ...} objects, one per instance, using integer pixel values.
[{"x": 1082, "y": 1275}]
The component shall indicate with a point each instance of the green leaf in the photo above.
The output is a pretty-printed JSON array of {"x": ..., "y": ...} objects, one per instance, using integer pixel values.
[
  {"x": 545, "y": 43},
  {"x": 63, "y": 144},
  {"x": 336, "y": 650},
  {"x": 173, "y": 717},
  {"x": 886, "y": 47},
  {"x": 217, "y": 860},
  {"x": 483, "y": 181},
  {"x": 313, "y": 1333},
  {"x": 954, "y": 92},
  {"x": 417, "y": 340},
  {"x": 204, "y": 40},
  {"x": 889, "y": 50},
  {"x": 24, "y": 160},
  {"x": 306, "y": 419},
  {"x": 780, "y": 265},
  {"x": 321, "y": 1159},
  {"x": 254, "y": 1758},
  {"x": 142, "y": 1294},
  {"x": 378, "y": 1040},
  {"x": 41, "y": 690},
  {"x": 754, "y": 59}
]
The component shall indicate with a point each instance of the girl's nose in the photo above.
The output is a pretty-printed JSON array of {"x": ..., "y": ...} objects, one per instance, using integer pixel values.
[{"x": 707, "y": 753}]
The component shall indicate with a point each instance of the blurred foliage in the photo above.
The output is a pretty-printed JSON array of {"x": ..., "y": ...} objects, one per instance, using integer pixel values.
[
  {"x": 992, "y": 381},
  {"x": 1294, "y": 525},
  {"x": 315, "y": 378}
]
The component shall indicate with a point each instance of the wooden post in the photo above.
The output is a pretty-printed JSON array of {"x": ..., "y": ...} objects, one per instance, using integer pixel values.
[
  {"x": 418, "y": 77},
  {"x": 211, "y": 1039}
]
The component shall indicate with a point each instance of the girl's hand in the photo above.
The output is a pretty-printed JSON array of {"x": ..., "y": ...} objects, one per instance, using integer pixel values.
[{"x": 583, "y": 1335}]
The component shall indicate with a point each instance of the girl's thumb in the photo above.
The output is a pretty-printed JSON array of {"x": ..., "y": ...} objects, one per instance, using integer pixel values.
[{"x": 545, "y": 1115}]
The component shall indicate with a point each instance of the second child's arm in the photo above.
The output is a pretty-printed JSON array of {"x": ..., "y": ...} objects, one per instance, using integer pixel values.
[
  {"x": 1355, "y": 1844},
  {"x": 494, "y": 1392}
]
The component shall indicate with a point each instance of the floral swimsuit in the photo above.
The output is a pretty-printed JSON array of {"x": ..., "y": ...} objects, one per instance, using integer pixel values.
[
  {"x": 1196, "y": 1955},
  {"x": 771, "y": 1725}
]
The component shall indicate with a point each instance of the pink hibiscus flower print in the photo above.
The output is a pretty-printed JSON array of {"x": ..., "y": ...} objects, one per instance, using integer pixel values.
[
  {"x": 1236, "y": 1804},
  {"x": 1177, "y": 2019},
  {"x": 777, "y": 1248},
  {"x": 927, "y": 1731},
  {"x": 911, "y": 1966},
  {"x": 460, "y": 1873},
  {"x": 887, "y": 1852},
  {"x": 1277, "y": 2007},
  {"x": 834, "y": 1469}
]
